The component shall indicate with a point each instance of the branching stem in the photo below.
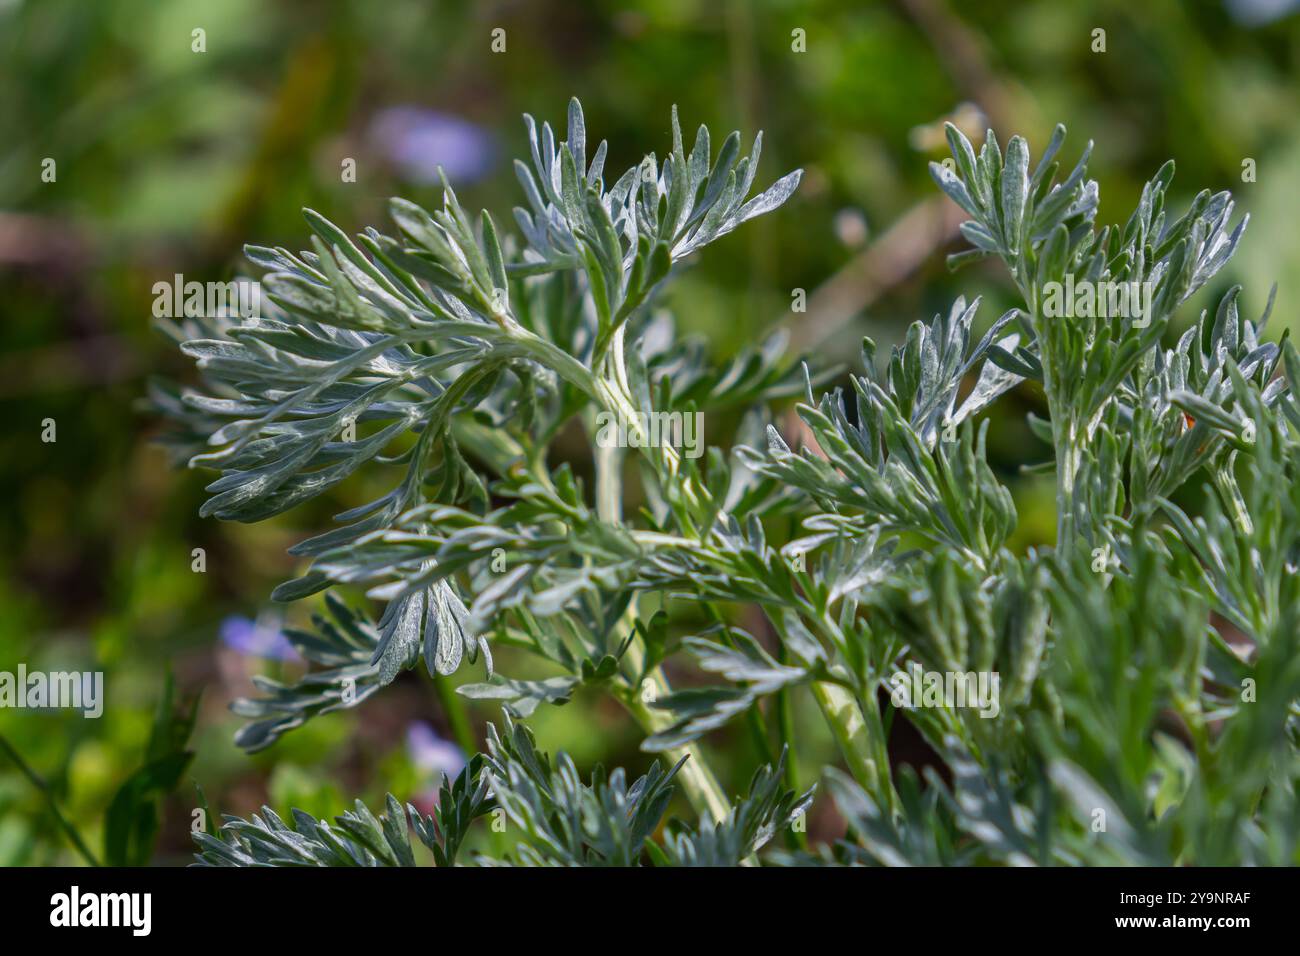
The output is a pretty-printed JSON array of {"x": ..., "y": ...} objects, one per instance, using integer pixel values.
[{"x": 39, "y": 783}]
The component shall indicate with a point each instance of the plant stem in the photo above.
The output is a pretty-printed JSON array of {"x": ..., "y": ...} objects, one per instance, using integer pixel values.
[
  {"x": 1067, "y": 471},
  {"x": 609, "y": 484},
  {"x": 454, "y": 709},
  {"x": 697, "y": 779},
  {"x": 861, "y": 738},
  {"x": 856, "y": 725},
  {"x": 701, "y": 786},
  {"x": 39, "y": 783},
  {"x": 1065, "y": 440}
]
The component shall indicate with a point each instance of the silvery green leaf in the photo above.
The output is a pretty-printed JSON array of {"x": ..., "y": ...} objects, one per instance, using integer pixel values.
[
  {"x": 523, "y": 696},
  {"x": 399, "y": 637},
  {"x": 953, "y": 187},
  {"x": 771, "y": 198},
  {"x": 1015, "y": 190},
  {"x": 993, "y": 381}
]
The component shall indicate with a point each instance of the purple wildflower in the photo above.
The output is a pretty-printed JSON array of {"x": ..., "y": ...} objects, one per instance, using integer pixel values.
[
  {"x": 1258, "y": 13},
  {"x": 432, "y": 755},
  {"x": 256, "y": 639},
  {"x": 419, "y": 140}
]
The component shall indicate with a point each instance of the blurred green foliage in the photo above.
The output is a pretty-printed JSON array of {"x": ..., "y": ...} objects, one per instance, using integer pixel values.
[{"x": 167, "y": 160}]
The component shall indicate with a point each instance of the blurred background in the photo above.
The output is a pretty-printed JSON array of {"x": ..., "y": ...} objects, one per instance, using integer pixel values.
[{"x": 166, "y": 159}]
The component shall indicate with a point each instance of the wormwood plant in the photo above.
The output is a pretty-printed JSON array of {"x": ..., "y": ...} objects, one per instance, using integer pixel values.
[{"x": 1147, "y": 669}]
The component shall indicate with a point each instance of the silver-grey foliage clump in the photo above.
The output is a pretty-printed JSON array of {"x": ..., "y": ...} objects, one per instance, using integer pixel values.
[{"x": 1148, "y": 664}]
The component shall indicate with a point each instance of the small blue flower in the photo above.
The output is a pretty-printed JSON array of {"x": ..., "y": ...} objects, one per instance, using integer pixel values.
[
  {"x": 256, "y": 639},
  {"x": 419, "y": 140},
  {"x": 431, "y": 754},
  {"x": 1258, "y": 13}
]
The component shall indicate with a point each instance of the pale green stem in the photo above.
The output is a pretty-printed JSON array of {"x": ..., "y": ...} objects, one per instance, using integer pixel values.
[
  {"x": 39, "y": 783},
  {"x": 1067, "y": 470},
  {"x": 1065, "y": 439},
  {"x": 857, "y": 728},
  {"x": 701, "y": 786},
  {"x": 609, "y": 484},
  {"x": 861, "y": 738},
  {"x": 697, "y": 779}
]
